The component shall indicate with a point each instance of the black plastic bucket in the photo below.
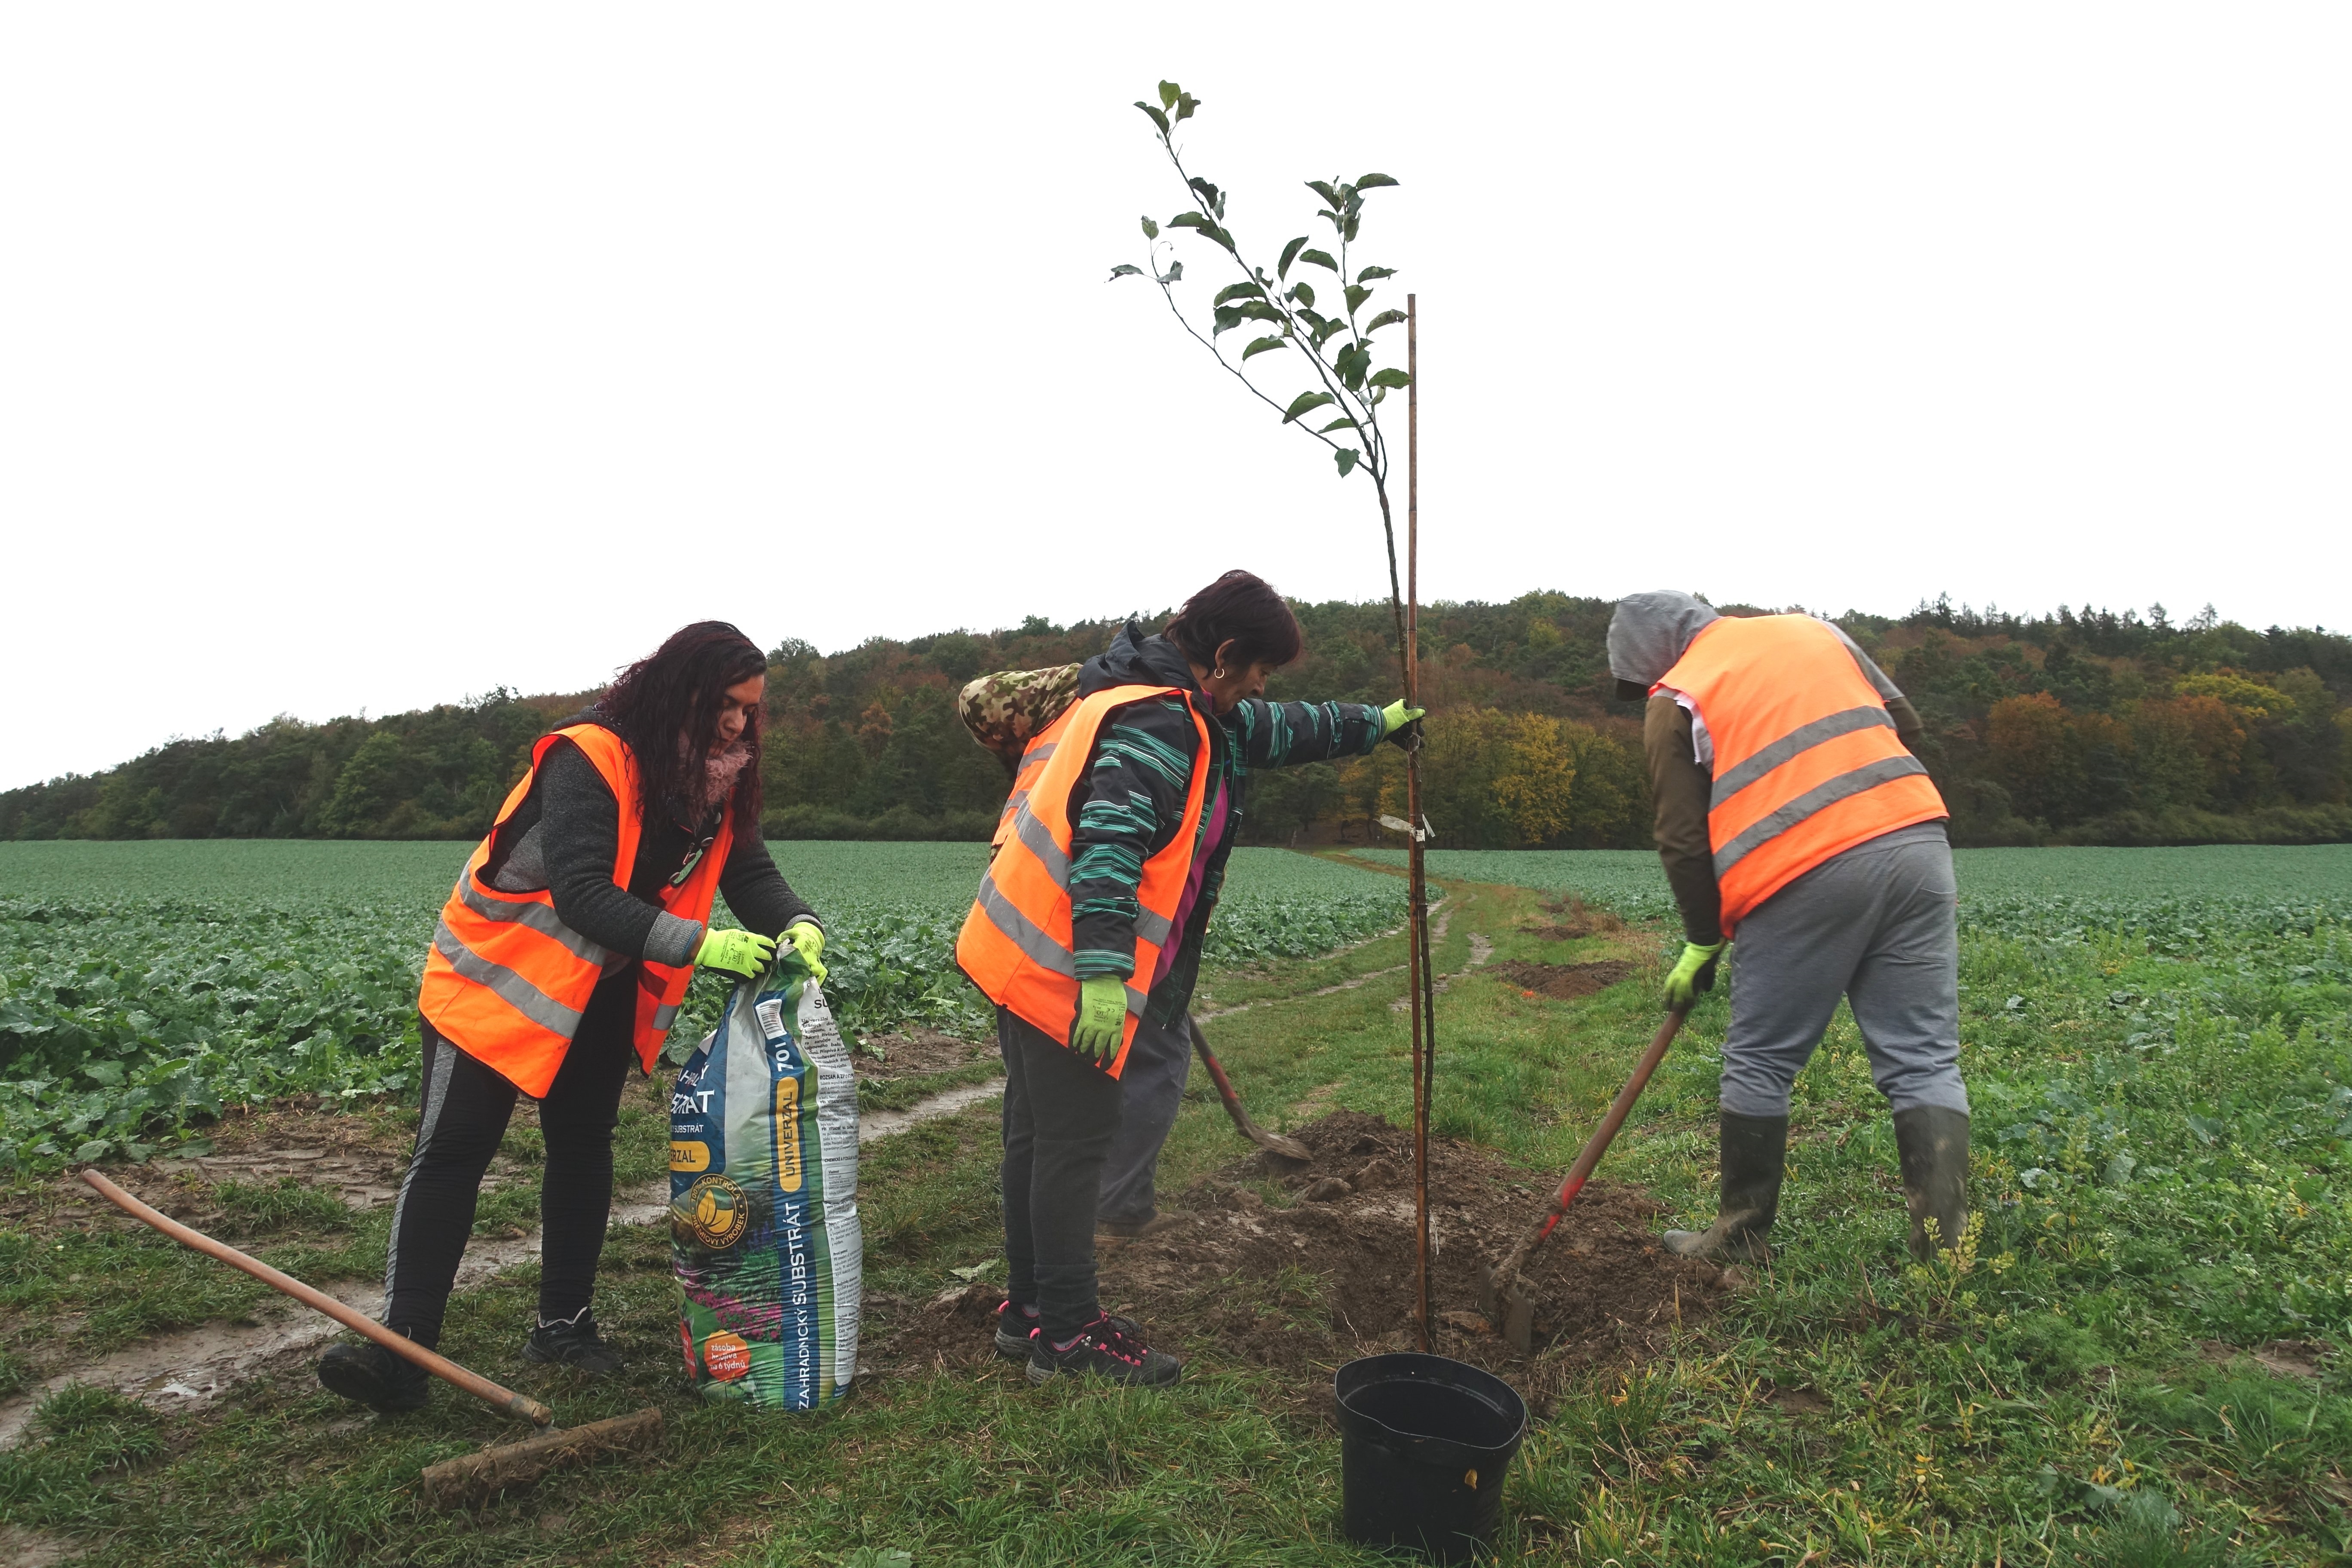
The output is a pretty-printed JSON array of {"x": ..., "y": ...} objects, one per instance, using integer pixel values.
[{"x": 1424, "y": 1443}]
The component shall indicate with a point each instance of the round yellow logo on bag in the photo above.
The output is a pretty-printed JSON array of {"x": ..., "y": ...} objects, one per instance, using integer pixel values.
[{"x": 715, "y": 1210}]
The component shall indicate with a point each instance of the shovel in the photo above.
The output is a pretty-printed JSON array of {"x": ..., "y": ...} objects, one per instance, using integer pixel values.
[
  {"x": 1273, "y": 1142},
  {"x": 453, "y": 1483},
  {"x": 1503, "y": 1295}
]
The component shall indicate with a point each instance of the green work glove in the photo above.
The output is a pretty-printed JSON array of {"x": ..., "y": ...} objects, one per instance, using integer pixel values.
[
  {"x": 740, "y": 952},
  {"x": 1101, "y": 1023},
  {"x": 808, "y": 942},
  {"x": 1394, "y": 720},
  {"x": 1693, "y": 972}
]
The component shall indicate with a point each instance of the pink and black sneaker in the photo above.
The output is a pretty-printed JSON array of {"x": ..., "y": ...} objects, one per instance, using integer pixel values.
[
  {"x": 1109, "y": 1347},
  {"x": 1016, "y": 1325}
]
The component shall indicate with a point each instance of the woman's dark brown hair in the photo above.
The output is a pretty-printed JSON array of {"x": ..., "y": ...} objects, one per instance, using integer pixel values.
[
  {"x": 1241, "y": 607},
  {"x": 665, "y": 706}
]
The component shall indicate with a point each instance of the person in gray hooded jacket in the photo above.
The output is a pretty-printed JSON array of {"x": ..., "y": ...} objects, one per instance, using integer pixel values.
[{"x": 1873, "y": 923}]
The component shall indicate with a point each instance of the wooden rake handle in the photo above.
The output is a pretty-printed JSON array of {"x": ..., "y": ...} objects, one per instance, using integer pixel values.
[
  {"x": 1594, "y": 1147},
  {"x": 440, "y": 1367}
]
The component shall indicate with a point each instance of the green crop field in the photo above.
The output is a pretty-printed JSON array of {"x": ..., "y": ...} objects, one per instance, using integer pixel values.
[
  {"x": 2138, "y": 1358},
  {"x": 144, "y": 987}
]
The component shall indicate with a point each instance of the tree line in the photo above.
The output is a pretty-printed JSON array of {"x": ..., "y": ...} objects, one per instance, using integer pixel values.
[{"x": 2083, "y": 726}]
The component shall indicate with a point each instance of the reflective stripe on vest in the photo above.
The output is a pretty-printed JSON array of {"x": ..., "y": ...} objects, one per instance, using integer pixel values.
[
  {"x": 1807, "y": 762},
  {"x": 1016, "y": 944},
  {"x": 505, "y": 980}
]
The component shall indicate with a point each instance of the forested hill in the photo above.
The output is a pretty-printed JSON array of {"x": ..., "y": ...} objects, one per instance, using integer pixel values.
[{"x": 2080, "y": 727}]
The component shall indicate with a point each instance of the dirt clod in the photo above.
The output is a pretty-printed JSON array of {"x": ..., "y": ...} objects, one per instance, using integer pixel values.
[{"x": 1328, "y": 1189}]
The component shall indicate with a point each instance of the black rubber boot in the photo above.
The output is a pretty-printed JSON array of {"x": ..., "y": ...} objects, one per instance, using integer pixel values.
[
  {"x": 1934, "y": 1144},
  {"x": 573, "y": 1343},
  {"x": 1754, "y": 1151},
  {"x": 367, "y": 1374}
]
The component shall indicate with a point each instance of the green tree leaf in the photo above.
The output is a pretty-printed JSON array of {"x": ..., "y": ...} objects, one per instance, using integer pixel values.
[
  {"x": 1356, "y": 295},
  {"x": 1124, "y": 270},
  {"x": 1156, "y": 117},
  {"x": 1351, "y": 364},
  {"x": 1347, "y": 229},
  {"x": 1263, "y": 345},
  {"x": 1174, "y": 274},
  {"x": 1320, "y": 258},
  {"x": 1211, "y": 197},
  {"x": 1290, "y": 254},
  {"x": 1329, "y": 192},
  {"x": 1323, "y": 333},
  {"x": 1385, "y": 318},
  {"x": 1303, "y": 292},
  {"x": 1368, "y": 273},
  {"x": 1391, "y": 378},
  {"x": 1349, "y": 458},
  {"x": 1227, "y": 318},
  {"x": 1150, "y": 229},
  {"x": 1259, "y": 311},
  {"x": 1307, "y": 403},
  {"x": 1186, "y": 107},
  {"x": 1232, "y": 291},
  {"x": 1193, "y": 220},
  {"x": 1168, "y": 93},
  {"x": 1371, "y": 181},
  {"x": 1342, "y": 422}
]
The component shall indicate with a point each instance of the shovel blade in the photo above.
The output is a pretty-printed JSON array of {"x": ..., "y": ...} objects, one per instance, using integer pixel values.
[{"x": 1511, "y": 1307}]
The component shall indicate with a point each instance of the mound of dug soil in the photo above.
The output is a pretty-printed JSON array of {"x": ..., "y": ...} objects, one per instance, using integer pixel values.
[
  {"x": 1326, "y": 1272},
  {"x": 1565, "y": 982}
]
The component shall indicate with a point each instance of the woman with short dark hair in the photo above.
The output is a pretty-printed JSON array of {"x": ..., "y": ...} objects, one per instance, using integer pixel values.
[
  {"x": 1132, "y": 801},
  {"x": 564, "y": 951}
]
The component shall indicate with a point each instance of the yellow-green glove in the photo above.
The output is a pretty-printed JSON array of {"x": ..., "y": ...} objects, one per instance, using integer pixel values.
[
  {"x": 740, "y": 952},
  {"x": 807, "y": 941},
  {"x": 1101, "y": 1024},
  {"x": 1693, "y": 972},
  {"x": 1394, "y": 718}
]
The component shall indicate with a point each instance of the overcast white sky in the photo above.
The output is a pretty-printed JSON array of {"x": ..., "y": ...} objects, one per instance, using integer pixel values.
[{"x": 365, "y": 357}]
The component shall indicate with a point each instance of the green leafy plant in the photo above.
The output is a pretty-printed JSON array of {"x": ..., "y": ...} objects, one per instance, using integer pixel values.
[{"x": 1329, "y": 335}]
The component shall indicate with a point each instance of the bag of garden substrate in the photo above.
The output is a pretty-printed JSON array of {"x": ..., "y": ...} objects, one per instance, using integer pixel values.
[{"x": 763, "y": 1198}]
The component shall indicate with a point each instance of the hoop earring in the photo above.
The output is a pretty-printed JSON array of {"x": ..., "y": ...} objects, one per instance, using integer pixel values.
[{"x": 1218, "y": 673}]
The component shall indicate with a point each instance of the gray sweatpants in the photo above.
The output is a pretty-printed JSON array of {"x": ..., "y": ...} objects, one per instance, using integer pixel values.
[
  {"x": 1878, "y": 925},
  {"x": 1151, "y": 1091}
]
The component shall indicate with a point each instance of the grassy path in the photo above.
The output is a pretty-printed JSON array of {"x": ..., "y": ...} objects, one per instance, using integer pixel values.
[{"x": 2056, "y": 1401}]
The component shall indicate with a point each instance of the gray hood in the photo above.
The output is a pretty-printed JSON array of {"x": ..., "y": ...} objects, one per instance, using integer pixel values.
[{"x": 1648, "y": 634}]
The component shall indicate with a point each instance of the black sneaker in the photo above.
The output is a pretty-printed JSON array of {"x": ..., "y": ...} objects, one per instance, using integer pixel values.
[
  {"x": 367, "y": 1374},
  {"x": 1109, "y": 1347},
  {"x": 1015, "y": 1327},
  {"x": 573, "y": 1343}
]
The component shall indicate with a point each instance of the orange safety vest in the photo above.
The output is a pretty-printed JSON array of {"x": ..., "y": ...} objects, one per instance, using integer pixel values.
[
  {"x": 506, "y": 979},
  {"x": 1807, "y": 765},
  {"x": 1016, "y": 944}
]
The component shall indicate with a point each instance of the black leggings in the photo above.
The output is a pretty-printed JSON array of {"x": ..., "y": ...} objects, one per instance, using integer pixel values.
[
  {"x": 465, "y": 1110},
  {"x": 1060, "y": 1114}
]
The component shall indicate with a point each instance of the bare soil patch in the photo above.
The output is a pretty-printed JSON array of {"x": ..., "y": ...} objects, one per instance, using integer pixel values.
[
  {"x": 914, "y": 1054},
  {"x": 1575, "y": 922},
  {"x": 1325, "y": 1272},
  {"x": 1565, "y": 982}
]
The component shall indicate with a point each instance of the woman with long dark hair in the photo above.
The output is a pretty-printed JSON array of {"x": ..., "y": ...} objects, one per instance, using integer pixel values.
[
  {"x": 564, "y": 951},
  {"x": 1088, "y": 931}
]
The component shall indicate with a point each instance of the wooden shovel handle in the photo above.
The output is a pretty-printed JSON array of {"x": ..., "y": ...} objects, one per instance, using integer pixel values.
[
  {"x": 1594, "y": 1147},
  {"x": 440, "y": 1367}
]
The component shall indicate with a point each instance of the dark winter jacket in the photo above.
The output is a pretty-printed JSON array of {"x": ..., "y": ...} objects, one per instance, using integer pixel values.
[
  {"x": 1130, "y": 802},
  {"x": 563, "y": 837}
]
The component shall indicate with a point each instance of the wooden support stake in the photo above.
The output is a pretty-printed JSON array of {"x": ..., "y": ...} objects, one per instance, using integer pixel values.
[
  {"x": 1423, "y": 984},
  {"x": 359, "y": 1323}
]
